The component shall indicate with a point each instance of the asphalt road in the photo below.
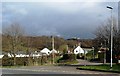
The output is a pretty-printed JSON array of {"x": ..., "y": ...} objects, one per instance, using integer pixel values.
[
  {"x": 55, "y": 71},
  {"x": 52, "y": 71},
  {"x": 12, "y": 71},
  {"x": 48, "y": 70}
]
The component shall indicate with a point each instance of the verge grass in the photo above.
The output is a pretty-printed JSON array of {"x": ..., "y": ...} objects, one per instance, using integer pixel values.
[{"x": 102, "y": 67}]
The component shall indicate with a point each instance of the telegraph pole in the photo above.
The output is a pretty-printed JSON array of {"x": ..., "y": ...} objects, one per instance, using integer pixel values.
[
  {"x": 53, "y": 48},
  {"x": 111, "y": 46}
]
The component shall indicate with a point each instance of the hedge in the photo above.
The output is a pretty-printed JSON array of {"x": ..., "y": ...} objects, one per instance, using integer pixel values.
[{"x": 67, "y": 58}]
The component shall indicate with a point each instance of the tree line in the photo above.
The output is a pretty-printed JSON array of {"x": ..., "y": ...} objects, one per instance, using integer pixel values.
[{"x": 15, "y": 39}]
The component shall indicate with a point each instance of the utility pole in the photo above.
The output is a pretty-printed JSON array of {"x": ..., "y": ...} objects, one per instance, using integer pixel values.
[
  {"x": 53, "y": 48},
  {"x": 111, "y": 46},
  {"x": 105, "y": 53},
  {"x": 93, "y": 52},
  {"x": 67, "y": 48}
]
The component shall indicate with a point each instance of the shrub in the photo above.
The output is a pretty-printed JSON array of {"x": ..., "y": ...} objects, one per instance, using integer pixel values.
[
  {"x": 67, "y": 58},
  {"x": 6, "y": 61},
  {"x": 22, "y": 61}
]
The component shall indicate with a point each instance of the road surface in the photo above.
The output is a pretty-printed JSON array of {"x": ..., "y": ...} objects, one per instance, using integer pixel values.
[{"x": 53, "y": 70}]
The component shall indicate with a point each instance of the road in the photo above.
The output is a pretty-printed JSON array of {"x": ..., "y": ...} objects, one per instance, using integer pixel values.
[
  {"x": 33, "y": 70},
  {"x": 22, "y": 71},
  {"x": 55, "y": 70}
]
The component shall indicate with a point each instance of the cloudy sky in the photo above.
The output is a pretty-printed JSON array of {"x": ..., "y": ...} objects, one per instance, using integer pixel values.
[{"x": 65, "y": 19}]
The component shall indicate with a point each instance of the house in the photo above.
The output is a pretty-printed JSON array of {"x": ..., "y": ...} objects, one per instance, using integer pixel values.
[
  {"x": 54, "y": 51},
  {"x": 36, "y": 54},
  {"x": 1, "y": 56},
  {"x": 78, "y": 50},
  {"x": 45, "y": 51},
  {"x": 87, "y": 49}
]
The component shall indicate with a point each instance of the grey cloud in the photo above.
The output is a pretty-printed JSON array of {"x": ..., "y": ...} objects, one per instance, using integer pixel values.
[{"x": 43, "y": 20}]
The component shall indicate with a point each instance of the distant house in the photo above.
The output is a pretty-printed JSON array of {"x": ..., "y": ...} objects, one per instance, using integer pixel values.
[
  {"x": 45, "y": 51},
  {"x": 78, "y": 50},
  {"x": 18, "y": 55},
  {"x": 88, "y": 49},
  {"x": 21, "y": 54},
  {"x": 10, "y": 55},
  {"x": 1, "y": 56},
  {"x": 54, "y": 51},
  {"x": 36, "y": 54}
]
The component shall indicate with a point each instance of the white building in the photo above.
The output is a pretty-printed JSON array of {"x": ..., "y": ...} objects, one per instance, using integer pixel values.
[
  {"x": 45, "y": 51},
  {"x": 54, "y": 51},
  {"x": 1, "y": 56},
  {"x": 78, "y": 50}
]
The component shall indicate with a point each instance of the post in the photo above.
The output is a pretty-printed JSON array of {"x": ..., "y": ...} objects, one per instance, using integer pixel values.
[
  {"x": 52, "y": 42},
  {"x": 84, "y": 58},
  {"x": 105, "y": 53},
  {"x": 53, "y": 48},
  {"x": 93, "y": 53},
  {"x": 111, "y": 37}
]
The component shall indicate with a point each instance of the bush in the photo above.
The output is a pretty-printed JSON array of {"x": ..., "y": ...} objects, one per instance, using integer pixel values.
[
  {"x": 22, "y": 61},
  {"x": 108, "y": 56},
  {"x": 6, "y": 61},
  {"x": 25, "y": 61},
  {"x": 67, "y": 58},
  {"x": 80, "y": 56},
  {"x": 95, "y": 60}
]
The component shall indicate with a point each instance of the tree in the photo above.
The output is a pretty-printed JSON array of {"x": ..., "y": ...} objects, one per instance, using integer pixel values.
[
  {"x": 103, "y": 31},
  {"x": 102, "y": 34},
  {"x": 63, "y": 48},
  {"x": 14, "y": 34}
]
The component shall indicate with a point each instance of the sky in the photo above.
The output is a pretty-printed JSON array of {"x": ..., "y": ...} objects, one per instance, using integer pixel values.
[{"x": 64, "y": 19}]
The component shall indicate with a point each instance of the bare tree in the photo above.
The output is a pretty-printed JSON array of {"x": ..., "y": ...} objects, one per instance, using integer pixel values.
[
  {"x": 102, "y": 34},
  {"x": 103, "y": 31},
  {"x": 14, "y": 33}
]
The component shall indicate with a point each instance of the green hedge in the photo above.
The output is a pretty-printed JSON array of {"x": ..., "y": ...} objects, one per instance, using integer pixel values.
[
  {"x": 7, "y": 61},
  {"x": 67, "y": 58}
]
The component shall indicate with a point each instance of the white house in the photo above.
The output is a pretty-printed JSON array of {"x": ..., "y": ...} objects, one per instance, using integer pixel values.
[
  {"x": 22, "y": 55},
  {"x": 10, "y": 55},
  {"x": 45, "y": 51},
  {"x": 54, "y": 51},
  {"x": 36, "y": 54},
  {"x": 78, "y": 50},
  {"x": 1, "y": 56}
]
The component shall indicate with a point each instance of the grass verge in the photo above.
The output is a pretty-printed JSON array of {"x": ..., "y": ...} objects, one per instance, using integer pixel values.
[{"x": 102, "y": 67}]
